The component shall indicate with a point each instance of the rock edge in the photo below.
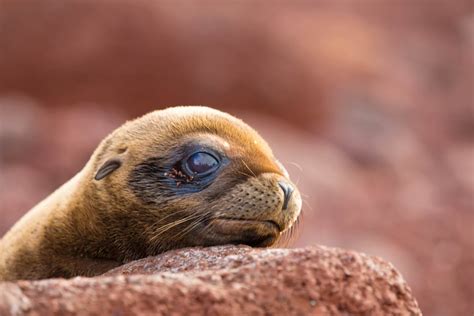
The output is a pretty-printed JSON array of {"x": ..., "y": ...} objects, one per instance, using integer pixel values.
[{"x": 230, "y": 280}]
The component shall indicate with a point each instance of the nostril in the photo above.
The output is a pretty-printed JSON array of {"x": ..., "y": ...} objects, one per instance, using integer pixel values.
[{"x": 287, "y": 191}]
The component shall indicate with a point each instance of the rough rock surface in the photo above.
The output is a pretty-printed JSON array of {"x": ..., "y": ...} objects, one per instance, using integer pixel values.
[{"x": 225, "y": 280}]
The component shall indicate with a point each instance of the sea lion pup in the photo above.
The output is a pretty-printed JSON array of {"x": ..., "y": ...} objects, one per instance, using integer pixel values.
[{"x": 179, "y": 177}]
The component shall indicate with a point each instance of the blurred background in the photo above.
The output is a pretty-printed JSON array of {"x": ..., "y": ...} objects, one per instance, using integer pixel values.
[{"x": 369, "y": 105}]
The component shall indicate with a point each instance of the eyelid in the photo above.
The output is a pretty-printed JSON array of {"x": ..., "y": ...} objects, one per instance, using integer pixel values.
[{"x": 208, "y": 151}]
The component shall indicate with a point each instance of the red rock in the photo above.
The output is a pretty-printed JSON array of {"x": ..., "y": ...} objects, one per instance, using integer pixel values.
[
  {"x": 372, "y": 100},
  {"x": 225, "y": 280}
]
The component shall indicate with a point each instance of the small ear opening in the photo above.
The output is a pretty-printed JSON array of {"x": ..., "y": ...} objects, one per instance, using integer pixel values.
[{"x": 107, "y": 168}]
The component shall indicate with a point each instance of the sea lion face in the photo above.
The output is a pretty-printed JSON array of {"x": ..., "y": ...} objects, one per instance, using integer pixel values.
[{"x": 195, "y": 176}]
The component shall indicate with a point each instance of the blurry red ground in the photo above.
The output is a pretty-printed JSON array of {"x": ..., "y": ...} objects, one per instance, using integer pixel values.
[{"x": 370, "y": 107}]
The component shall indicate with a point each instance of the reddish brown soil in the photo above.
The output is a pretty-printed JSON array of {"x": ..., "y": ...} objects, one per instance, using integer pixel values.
[{"x": 225, "y": 281}]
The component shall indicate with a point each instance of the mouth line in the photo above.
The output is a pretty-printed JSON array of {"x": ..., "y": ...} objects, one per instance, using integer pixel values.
[{"x": 271, "y": 222}]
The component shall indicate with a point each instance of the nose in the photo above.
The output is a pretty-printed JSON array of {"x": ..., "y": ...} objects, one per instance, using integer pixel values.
[{"x": 287, "y": 191}]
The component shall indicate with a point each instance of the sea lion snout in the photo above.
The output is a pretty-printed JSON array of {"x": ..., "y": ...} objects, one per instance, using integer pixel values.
[{"x": 261, "y": 198}]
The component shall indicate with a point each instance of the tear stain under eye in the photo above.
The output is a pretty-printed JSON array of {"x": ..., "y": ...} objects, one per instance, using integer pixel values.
[
  {"x": 179, "y": 176},
  {"x": 156, "y": 177}
]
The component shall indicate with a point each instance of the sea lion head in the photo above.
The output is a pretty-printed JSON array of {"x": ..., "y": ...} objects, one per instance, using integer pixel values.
[{"x": 190, "y": 176}]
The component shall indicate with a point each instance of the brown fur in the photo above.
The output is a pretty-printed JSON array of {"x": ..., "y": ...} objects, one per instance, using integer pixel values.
[{"x": 89, "y": 226}]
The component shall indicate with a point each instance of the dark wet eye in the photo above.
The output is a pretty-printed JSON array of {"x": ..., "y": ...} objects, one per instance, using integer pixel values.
[{"x": 201, "y": 163}]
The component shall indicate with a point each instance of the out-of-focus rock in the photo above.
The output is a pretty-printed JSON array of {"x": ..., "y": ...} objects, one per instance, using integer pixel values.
[
  {"x": 368, "y": 104},
  {"x": 226, "y": 280},
  {"x": 140, "y": 55}
]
